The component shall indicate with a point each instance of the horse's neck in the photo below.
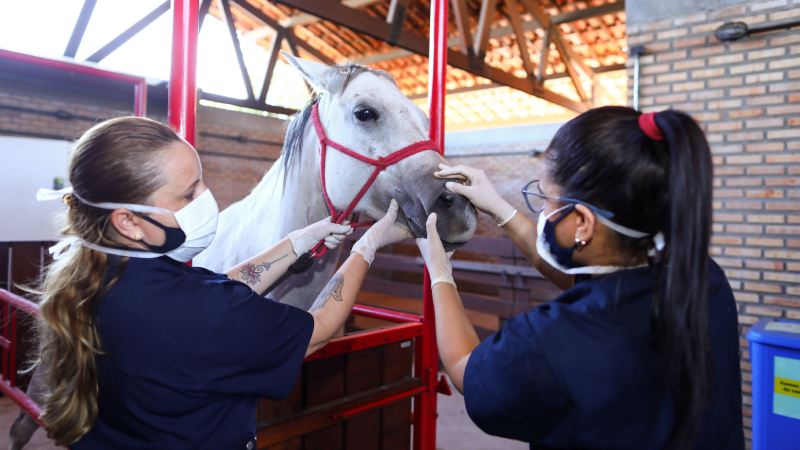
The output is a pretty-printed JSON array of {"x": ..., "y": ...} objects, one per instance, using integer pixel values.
[{"x": 302, "y": 202}]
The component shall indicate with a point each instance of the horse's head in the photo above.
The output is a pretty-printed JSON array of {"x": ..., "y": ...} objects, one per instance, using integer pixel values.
[{"x": 363, "y": 110}]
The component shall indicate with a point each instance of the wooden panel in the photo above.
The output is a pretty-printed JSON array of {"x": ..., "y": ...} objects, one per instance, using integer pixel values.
[
  {"x": 396, "y": 426},
  {"x": 323, "y": 383},
  {"x": 395, "y": 423},
  {"x": 362, "y": 373},
  {"x": 25, "y": 264}
]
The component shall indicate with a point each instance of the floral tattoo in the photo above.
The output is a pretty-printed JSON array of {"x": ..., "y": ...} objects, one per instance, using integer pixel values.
[{"x": 251, "y": 273}]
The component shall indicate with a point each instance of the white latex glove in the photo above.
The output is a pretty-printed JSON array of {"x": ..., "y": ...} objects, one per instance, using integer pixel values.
[
  {"x": 478, "y": 190},
  {"x": 332, "y": 233},
  {"x": 437, "y": 260},
  {"x": 385, "y": 231}
]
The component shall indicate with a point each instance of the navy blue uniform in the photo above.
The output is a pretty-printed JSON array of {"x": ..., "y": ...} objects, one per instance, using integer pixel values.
[
  {"x": 579, "y": 372},
  {"x": 186, "y": 355}
]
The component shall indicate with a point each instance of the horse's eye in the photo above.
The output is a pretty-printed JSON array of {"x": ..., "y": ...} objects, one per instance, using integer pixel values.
[{"x": 365, "y": 114}]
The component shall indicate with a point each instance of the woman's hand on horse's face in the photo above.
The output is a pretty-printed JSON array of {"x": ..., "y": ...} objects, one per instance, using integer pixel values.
[
  {"x": 332, "y": 233},
  {"x": 385, "y": 232},
  {"x": 477, "y": 189}
]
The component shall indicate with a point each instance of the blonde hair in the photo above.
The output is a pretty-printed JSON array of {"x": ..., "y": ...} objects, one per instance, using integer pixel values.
[{"x": 115, "y": 161}]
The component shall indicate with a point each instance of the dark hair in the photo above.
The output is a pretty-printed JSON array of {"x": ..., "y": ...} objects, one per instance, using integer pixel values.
[
  {"x": 119, "y": 160},
  {"x": 604, "y": 158}
]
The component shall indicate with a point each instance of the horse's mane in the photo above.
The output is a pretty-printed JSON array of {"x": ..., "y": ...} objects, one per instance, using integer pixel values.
[{"x": 293, "y": 144}]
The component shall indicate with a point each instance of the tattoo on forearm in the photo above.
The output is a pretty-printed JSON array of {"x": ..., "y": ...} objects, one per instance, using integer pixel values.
[
  {"x": 333, "y": 290},
  {"x": 251, "y": 273}
]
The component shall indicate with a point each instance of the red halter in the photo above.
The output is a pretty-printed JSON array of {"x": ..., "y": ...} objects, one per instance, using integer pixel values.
[{"x": 380, "y": 164}]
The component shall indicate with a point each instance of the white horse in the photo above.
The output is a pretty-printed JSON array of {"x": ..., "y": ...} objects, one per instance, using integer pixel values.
[{"x": 363, "y": 110}]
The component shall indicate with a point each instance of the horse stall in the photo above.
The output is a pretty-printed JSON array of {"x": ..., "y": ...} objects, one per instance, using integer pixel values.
[{"x": 375, "y": 387}]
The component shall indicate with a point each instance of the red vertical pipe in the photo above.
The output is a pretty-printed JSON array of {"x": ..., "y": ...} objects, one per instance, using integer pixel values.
[
  {"x": 140, "y": 99},
  {"x": 183, "y": 75},
  {"x": 427, "y": 360}
]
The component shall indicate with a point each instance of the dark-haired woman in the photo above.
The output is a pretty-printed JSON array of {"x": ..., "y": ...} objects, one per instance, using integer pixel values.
[
  {"x": 641, "y": 351},
  {"x": 146, "y": 352}
]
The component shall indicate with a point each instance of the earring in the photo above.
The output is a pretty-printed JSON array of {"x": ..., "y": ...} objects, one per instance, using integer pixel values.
[
  {"x": 578, "y": 241},
  {"x": 138, "y": 236}
]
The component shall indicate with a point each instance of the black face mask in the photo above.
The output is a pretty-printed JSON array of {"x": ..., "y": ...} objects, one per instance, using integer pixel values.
[
  {"x": 175, "y": 237},
  {"x": 561, "y": 254}
]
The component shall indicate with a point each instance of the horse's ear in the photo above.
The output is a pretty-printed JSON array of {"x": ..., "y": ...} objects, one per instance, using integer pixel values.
[{"x": 317, "y": 74}]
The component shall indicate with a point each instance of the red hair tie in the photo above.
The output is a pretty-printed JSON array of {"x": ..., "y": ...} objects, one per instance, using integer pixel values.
[{"x": 647, "y": 122}]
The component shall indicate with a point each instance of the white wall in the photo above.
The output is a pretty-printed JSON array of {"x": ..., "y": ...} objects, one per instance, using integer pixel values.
[{"x": 25, "y": 166}]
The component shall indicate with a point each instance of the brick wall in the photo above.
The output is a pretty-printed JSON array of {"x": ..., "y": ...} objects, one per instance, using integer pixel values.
[
  {"x": 231, "y": 168},
  {"x": 746, "y": 97}
]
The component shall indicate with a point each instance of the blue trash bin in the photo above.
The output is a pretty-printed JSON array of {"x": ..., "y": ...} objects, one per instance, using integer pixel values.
[{"x": 775, "y": 354}]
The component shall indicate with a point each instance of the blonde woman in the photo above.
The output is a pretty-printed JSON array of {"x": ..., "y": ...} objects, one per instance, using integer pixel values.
[{"x": 147, "y": 352}]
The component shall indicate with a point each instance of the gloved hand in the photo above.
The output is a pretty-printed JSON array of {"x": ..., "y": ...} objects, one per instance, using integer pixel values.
[
  {"x": 478, "y": 190},
  {"x": 385, "y": 231},
  {"x": 437, "y": 260},
  {"x": 332, "y": 233}
]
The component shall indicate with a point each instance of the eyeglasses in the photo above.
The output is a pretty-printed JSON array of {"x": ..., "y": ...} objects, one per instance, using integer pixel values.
[{"x": 536, "y": 200}]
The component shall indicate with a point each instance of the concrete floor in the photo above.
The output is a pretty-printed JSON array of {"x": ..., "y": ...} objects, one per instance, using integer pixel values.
[
  {"x": 455, "y": 430},
  {"x": 8, "y": 414}
]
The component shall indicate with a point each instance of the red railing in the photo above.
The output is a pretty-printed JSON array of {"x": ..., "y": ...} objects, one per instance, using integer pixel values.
[{"x": 10, "y": 304}]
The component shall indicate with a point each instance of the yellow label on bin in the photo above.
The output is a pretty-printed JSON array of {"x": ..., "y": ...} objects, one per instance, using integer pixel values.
[{"x": 787, "y": 387}]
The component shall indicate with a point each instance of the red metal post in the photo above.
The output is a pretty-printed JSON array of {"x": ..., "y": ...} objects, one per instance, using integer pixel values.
[
  {"x": 183, "y": 75},
  {"x": 426, "y": 365}
]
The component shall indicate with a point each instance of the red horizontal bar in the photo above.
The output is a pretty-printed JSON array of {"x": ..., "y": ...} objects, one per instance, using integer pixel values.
[
  {"x": 368, "y": 339},
  {"x": 344, "y": 415},
  {"x": 70, "y": 66},
  {"x": 385, "y": 314},
  {"x": 19, "y": 302},
  {"x": 24, "y": 402}
]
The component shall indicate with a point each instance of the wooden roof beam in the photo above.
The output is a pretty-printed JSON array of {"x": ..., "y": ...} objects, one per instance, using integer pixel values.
[
  {"x": 228, "y": 16},
  {"x": 494, "y": 33},
  {"x": 461, "y": 15},
  {"x": 333, "y": 11},
  {"x": 522, "y": 42},
  {"x": 484, "y": 28},
  {"x": 258, "y": 16}
]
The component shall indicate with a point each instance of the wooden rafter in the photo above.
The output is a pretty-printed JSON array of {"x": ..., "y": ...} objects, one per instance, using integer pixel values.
[
  {"x": 361, "y": 22},
  {"x": 499, "y": 32},
  {"x": 228, "y": 16},
  {"x": 544, "y": 57},
  {"x": 462, "y": 22},
  {"x": 274, "y": 52},
  {"x": 132, "y": 31},
  {"x": 80, "y": 28},
  {"x": 484, "y": 27},
  {"x": 571, "y": 62},
  {"x": 522, "y": 42}
]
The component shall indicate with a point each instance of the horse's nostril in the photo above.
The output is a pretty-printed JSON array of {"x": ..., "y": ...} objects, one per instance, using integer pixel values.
[{"x": 447, "y": 199}]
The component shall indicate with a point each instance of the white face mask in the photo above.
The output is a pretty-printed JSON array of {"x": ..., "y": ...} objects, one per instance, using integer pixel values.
[
  {"x": 543, "y": 248},
  {"x": 197, "y": 221}
]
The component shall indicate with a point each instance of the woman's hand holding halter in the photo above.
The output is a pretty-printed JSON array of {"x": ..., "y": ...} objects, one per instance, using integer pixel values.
[{"x": 478, "y": 190}]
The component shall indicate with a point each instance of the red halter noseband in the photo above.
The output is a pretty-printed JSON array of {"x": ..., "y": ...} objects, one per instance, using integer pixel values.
[{"x": 380, "y": 164}]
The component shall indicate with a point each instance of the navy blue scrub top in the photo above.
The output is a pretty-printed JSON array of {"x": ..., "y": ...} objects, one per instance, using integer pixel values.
[
  {"x": 579, "y": 373},
  {"x": 186, "y": 355}
]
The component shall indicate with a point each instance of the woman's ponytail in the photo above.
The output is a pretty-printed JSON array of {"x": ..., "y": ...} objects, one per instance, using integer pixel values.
[{"x": 680, "y": 311}]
